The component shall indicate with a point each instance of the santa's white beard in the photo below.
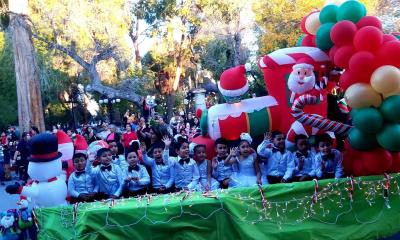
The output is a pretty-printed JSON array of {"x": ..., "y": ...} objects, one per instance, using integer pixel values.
[{"x": 300, "y": 86}]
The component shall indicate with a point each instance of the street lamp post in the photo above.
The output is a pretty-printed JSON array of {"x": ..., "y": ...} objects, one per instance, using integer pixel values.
[{"x": 109, "y": 102}]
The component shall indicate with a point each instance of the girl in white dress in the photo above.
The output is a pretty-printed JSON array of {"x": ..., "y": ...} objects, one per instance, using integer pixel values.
[
  {"x": 248, "y": 168},
  {"x": 206, "y": 182}
]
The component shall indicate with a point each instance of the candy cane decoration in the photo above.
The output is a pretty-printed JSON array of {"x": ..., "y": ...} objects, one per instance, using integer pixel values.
[
  {"x": 75, "y": 213},
  {"x": 35, "y": 220},
  {"x": 351, "y": 188},
  {"x": 386, "y": 188},
  {"x": 263, "y": 201},
  {"x": 316, "y": 121},
  {"x": 314, "y": 198}
]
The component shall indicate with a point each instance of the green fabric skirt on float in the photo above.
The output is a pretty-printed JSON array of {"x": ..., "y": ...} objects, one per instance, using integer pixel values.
[{"x": 363, "y": 208}]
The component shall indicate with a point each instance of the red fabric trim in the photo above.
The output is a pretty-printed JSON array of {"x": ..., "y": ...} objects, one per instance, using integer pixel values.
[
  {"x": 52, "y": 179},
  {"x": 232, "y": 127},
  {"x": 45, "y": 156}
]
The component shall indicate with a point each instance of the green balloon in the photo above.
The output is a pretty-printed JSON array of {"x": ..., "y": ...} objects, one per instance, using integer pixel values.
[
  {"x": 368, "y": 120},
  {"x": 323, "y": 37},
  {"x": 352, "y": 11},
  {"x": 300, "y": 40},
  {"x": 389, "y": 137},
  {"x": 390, "y": 109},
  {"x": 328, "y": 14},
  {"x": 204, "y": 122},
  {"x": 354, "y": 112},
  {"x": 361, "y": 141}
]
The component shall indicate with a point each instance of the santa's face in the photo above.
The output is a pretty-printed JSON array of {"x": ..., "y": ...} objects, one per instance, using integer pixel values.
[{"x": 301, "y": 80}]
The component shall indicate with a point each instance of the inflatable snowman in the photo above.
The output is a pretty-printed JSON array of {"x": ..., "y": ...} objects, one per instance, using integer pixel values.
[{"x": 48, "y": 185}]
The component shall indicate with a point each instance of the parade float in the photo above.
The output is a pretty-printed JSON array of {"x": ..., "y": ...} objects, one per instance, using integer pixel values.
[{"x": 342, "y": 48}]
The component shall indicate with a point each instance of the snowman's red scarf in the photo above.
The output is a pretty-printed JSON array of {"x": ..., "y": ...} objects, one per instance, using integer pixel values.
[{"x": 30, "y": 182}]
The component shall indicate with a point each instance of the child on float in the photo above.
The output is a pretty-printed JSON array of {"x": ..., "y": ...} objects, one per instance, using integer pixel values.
[
  {"x": 248, "y": 168},
  {"x": 108, "y": 175},
  {"x": 136, "y": 177},
  {"x": 162, "y": 171},
  {"x": 117, "y": 151},
  {"x": 186, "y": 173},
  {"x": 328, "y": 161},
  {"x": 280, "y": 164},
  {"x": 223, "y": 169},
  {"x": 82, "y": 186},
  {"x": 304, "y": 160},
  {"x": 206, "y": 182}
]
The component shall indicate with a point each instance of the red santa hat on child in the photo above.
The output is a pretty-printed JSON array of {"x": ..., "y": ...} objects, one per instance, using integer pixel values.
[
  {"x": 233, "y": 82},
  {"x": 80, "y": 144},
  {"x": 304, "y": 63},
  {"x": 65, "y": 145}
]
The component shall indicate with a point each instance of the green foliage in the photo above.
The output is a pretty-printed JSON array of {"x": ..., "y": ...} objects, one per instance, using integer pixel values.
[{"x": 8, "y": 96}]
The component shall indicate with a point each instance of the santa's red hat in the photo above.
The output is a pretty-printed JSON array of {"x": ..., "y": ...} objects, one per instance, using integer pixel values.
[
  {"x": 80, "y": 144},
  {"x": 233, "y": 82},
  {"x": 304, "y": 63},
  {"x": 65, "y": 145}
]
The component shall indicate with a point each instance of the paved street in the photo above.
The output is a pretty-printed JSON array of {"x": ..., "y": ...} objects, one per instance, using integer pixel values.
[{"x": 7, "y": 201}]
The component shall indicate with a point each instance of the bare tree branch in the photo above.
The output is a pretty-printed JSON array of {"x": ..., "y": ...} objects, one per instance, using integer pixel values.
[
  {"x": 69, "y": 52},
  {"x": 103, "y": 55}
]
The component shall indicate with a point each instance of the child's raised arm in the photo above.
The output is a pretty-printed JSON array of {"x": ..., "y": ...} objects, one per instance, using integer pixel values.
[
  {"x": 232, "y": 157},
  {"x": 265, "y": 148}
]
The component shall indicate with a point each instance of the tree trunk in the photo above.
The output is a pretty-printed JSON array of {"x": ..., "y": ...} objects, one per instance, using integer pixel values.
[
  {"x": 170, "y": 104},
  {"x": 30, "y": 110},
  {"x": 237, "y": 44}
]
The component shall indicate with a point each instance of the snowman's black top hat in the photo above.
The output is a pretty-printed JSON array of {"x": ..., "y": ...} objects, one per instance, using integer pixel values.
[{"x": 44, "y": 148}]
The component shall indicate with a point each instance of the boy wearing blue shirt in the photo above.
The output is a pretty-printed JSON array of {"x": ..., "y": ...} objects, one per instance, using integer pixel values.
[
  {"x": 328, "y": 162},
  {"x": 304, "y": 160},
  {"x": 162, "y": 171},
  {"x": 136, "y": 176},
  {"x": 280, "y": 163},
  {"x": 185, "y": 169},
  {"x": 81, "y": 184},
  {"x": 108, "y": 176},
  {"x": 222, "y": 168}
]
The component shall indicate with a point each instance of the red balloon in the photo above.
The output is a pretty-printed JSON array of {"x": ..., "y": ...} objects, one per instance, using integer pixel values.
[
  {"x": 343, "y": 55},
  {"x": 369, "y": 21},
  {"x": 388, "y": 38},
  {"x": 352, "y": 163},
  {"x": 368, "y": 39},
  {"x": 308, "y": 41},
  {"x": 332, "y": 52},
  {"x": 395, "y": 162},
  {"x": 198, "y": 113},
  {"x": 359, "y": 168},
  {"x": 347, "y": 79},
  {"x": 343, "y": 32},
  {"x": 349, "y": 157},
  {"x": 389, "y": 54},
  {"x": 362, "y": 63},
  {"x": 377, "y": 161},
  {"x": 208, "y": 142}
]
